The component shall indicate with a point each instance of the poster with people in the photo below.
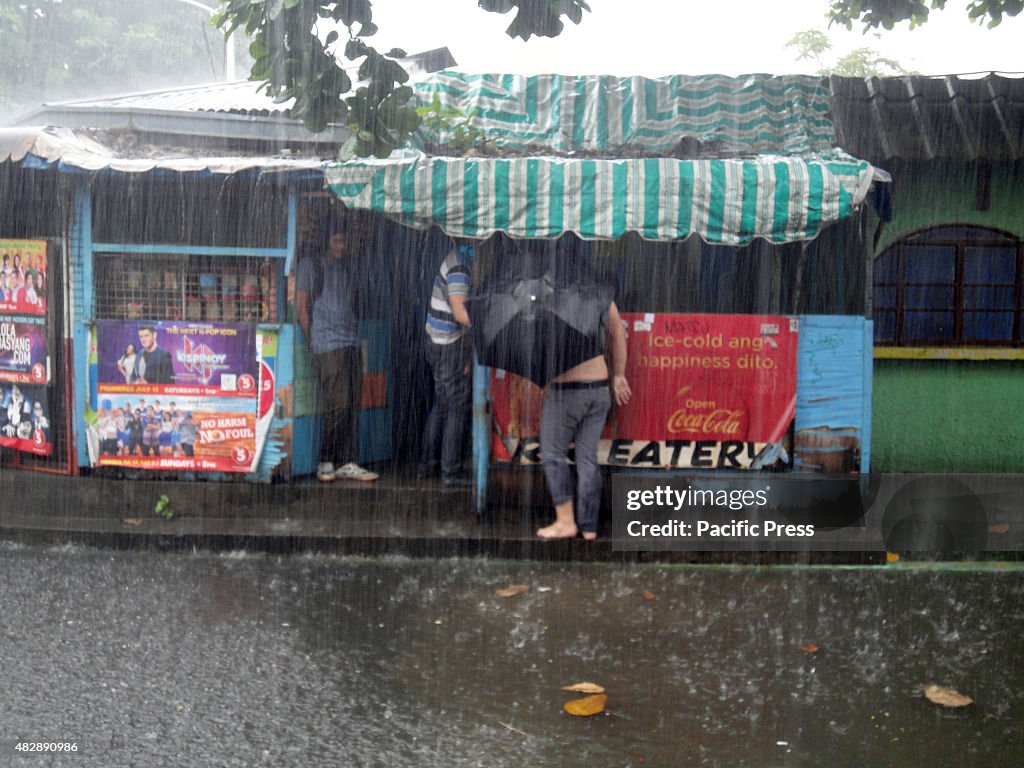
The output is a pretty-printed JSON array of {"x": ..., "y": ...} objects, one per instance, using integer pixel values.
[
  {"x": 709, "y": 392},
  {"x": 177, "y": 395},
  {"x": 177, "y": 358},
  {"x": 25, "y": 418},
  {"x": 23, "y": 277},
  {"x": 24, "y": 347}
]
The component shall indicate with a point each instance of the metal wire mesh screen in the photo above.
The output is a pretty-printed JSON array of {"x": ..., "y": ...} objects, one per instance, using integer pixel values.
[{"x": 185, "y": 287}]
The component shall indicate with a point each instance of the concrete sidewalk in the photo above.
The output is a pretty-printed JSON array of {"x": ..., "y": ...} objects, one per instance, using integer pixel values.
[{"x": 396, "y": 515}]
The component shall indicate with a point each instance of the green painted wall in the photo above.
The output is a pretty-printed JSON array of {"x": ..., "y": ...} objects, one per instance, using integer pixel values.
[
  {"x": 948, "y": 416},
  {"x": 944, "y": 192}
]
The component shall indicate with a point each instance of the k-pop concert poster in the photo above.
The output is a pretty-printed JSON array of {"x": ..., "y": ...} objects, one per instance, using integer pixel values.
[
  {"x": 177, "y": 357},
  {"x": 178, "y": 395}
]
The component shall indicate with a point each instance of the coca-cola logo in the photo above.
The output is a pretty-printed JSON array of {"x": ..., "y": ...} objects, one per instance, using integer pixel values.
[
  {"x": 703, "y": 416},
  {"x": 719, "y": 421}
]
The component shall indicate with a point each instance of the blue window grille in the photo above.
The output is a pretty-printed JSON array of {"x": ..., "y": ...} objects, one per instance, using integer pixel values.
[{"x": 950, "y": 286}]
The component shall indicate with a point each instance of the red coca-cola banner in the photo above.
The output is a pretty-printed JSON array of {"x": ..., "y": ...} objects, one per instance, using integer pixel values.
[
  {"x": 710, "y": 377},
  {"x": 709, "y": 391}
]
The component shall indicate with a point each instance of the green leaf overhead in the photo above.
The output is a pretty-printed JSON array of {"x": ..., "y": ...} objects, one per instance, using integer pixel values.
[
  {"x": 298, "y": 53},
  {"x": 888, "y": 13}
]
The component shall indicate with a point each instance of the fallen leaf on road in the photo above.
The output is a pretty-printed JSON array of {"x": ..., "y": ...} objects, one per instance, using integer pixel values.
[
  {"x": 999, "y": 528},
  {"x": 809, "y": 648},
  {"x": 584, "y": 688},
  {"x": 649, "y": 595},
  {"x": 512, "y": 590},
  {"x": 947, "y": 697},
  {"x": 131, "y": 520},
  {"x": 587, "y": 706},
  {"x": 511, "y": 728}
]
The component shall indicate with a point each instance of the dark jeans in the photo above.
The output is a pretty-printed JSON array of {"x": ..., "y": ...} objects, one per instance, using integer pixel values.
[
  {"x": 574, "y": 415},
  {"x": 340, "y": 373},
  {"x": 449, "y": 416}
]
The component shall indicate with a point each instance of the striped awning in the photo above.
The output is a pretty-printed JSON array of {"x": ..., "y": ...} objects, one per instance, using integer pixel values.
[{"x": 585, "y": 159}]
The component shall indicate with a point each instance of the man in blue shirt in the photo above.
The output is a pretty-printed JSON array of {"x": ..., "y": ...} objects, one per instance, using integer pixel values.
[
  {"x": 449, "y": 353},
  {"x": 324, "y": 302}
]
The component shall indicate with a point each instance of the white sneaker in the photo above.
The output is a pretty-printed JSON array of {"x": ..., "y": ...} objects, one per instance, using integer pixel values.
[
  {"x": 353, "y": 471},
  {"x": 325, "y": 472}
]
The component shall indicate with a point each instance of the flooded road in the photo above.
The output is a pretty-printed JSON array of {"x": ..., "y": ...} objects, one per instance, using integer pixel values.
[{"x": 239, "y": 660}]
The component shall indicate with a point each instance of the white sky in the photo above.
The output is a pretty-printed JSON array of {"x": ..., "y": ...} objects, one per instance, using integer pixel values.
[{"x": 661, "y": 37}]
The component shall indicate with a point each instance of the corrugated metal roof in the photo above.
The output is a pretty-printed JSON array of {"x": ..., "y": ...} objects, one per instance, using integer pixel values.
[
  {"x": 230, "y": 112},
  {"x": 241, "y": 97},
  {"x": 924, "y": 118}
]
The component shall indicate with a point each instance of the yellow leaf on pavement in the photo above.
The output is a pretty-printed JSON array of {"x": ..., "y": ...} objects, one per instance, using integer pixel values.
[
  {"x": 584, "y": 688},
  {"x": 587, "y": 706},
  {"x": 947, "y": 697},
  {"x": 512, "y": 590}
]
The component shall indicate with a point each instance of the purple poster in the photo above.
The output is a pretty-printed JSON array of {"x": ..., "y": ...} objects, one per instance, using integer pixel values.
[
  {"x": 22, "y": 351},
  {"x": 177, "y": 358}
]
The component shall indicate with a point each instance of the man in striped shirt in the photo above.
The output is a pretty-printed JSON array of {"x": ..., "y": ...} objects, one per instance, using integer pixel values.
[{"x": 449, "y": 352}]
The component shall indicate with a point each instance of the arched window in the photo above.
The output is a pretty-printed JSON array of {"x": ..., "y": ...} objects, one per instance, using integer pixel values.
[{"x": 950, "y": 286}]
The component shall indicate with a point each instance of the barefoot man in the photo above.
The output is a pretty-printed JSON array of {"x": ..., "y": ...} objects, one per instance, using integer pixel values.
[{"x": 575, "y": 408}]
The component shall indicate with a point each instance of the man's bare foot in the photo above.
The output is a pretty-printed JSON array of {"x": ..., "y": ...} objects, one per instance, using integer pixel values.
[
  {"x": 590, "y": 535},
  {"x": 557, "y": 531}
]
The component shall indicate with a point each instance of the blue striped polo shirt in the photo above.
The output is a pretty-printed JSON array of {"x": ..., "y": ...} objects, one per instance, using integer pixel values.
[{"x": 452, "y": 279}]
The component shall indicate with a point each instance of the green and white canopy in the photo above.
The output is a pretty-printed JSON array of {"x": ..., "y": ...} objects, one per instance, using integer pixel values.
[{"x": 594, "y": 155}]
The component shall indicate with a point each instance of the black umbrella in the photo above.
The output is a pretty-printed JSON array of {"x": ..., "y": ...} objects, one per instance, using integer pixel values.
[{"x": 536, "y": 328}]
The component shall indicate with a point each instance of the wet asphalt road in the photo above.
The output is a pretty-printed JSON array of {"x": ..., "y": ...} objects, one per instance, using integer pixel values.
[{"x": 241, "y": 660}]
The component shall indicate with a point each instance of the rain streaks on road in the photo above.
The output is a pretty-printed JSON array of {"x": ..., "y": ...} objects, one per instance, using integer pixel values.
[{"x": 241, "y": 660}]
